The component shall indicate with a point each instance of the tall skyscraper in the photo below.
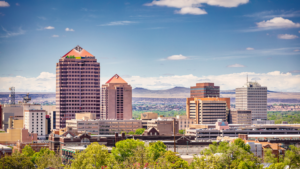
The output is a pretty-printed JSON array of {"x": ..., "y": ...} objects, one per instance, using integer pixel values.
[
  {"x": 252, "y": 96},
  {"x": 116, "y": 100},
  {"x": 202, "y": 90},
  {"x": 77, "y": 85},
  {"x": 207, "y": 110}
]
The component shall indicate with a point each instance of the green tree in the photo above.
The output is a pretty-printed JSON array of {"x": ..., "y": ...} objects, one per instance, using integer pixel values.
[
  {"x": 269, "y": 157},
  {"x": 292, "y": 157},
  {"x": 16, "y": 161},
  {"x": 94, "y": 156},
  {"x": 41, "y": 153},
  {"x": 28, "y": 151},
  {"x": 131, "y": 132},
  {"x": 124, "y": 148},
  {"x": 240, "y": 143},
  {"x": 139, "y": 131},
  {"x": 206, "y": 162},
  {"x": 174, "y": 160},
  {"x": 49, "y": 160},
  {"x": 157, "y": 149},
  {"x": 181, "y": 131}
]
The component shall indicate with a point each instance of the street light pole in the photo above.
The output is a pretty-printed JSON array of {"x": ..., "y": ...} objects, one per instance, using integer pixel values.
[{"x": 187, "y": 147}]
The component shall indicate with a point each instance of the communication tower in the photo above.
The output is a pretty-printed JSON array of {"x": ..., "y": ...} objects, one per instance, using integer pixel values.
[{"x": 26, "y": 98}]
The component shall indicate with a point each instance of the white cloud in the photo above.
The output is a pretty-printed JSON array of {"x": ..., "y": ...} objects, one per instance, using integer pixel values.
[
  {"x": 287, "y": 36},
  {"x": 69, "y": 29},
  {"x": 17, "y": 4},
  {"x": 236, "y": 65},
  {"x": 296, "y": 50},
  {"x": 45, "y": 82},
  {"x": 191, "y": 10},
  {"x": 278, "y": 22},
  {"x": 192, "y": 6},
  {"x": 288, "y": 81},
  {"x": 116, "y": 23},
  {"x": 49, "y": 27},
  {"x": 249, "y": 48},
  {"x": 55, "y": 36},
  {"x": 9, "y": 33},
  {"x": 4, "y": 4},
  {"x": 299, "y": 31},
  {"x": 176, "y": 57}
]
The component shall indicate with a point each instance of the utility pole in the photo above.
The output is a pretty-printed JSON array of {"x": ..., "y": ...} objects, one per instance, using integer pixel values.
[
  {"x": 278, "y": 153},
  {"x": 174, "y": 135}
]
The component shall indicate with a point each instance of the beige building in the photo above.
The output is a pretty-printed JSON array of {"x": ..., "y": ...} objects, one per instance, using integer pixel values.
[
  {"x": 87, "y": 122},
  {"x": 163, "y": 126},
  {"x": 149, "y": 116},
  {"x": 207, "y": 110},
  {"x": 252, "y": 96},
  {"x": 16, "y": 110},
  {"x": 16, "y": 132},
  {"x": 116, "y": 101},
  {"x": 85, "y": 116},
  {"x": 183, "y": 121},
  {"x": 240, "y": 117}
]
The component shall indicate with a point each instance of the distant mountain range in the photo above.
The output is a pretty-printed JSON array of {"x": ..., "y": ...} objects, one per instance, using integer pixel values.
[{"x": 176, "y": 92}]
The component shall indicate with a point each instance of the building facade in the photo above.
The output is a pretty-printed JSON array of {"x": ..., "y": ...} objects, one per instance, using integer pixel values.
[
  {"x": 252, "y": 96},
  {"x": 183, "y": 121},
  {"x": 116, "y": 101},
  {"x": 77, "y": 85},
  {"x": 240, "y": 117},
  {"x": 35, "y": 122},
  {"x": 104, "y": 127},
  {"x": 163, "y": 126},
  {"x": 207, "y": 110},
  {"x": 202, "y": 90}
]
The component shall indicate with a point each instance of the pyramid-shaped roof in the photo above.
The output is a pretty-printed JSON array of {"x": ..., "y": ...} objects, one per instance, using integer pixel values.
[
  {"x": 116, "y": 79},
  {"x": 78, "y": 52}
]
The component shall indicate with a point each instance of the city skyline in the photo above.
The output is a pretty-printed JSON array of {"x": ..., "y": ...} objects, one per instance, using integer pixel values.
[{"x": 154, "y": 44}]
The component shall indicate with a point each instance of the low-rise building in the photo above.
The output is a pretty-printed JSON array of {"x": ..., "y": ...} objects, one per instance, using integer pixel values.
[
  {"x": 5, "y": 150},
  {"x": 17, "y": 132},
  {"x": 164, "y": 126},
  {"x": 183, "y": 121},
  {"x": 240, "y": 117},
  {"x": 35, "y": 146},
  {"x": 259, "y": 121}
]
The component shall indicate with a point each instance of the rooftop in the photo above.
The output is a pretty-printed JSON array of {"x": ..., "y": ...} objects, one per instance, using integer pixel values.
[
  {"x": 78, "y": 52},
  {"x": 116, "y": 79}
]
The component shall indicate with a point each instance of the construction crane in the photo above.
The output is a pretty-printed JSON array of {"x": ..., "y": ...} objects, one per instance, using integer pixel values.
[{"x": 12, "y": 95}]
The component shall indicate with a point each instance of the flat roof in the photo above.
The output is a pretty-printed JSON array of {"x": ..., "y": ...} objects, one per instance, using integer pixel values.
[
  {"x": 5, "y": 147},
  {"x": 274, "y": 135}
]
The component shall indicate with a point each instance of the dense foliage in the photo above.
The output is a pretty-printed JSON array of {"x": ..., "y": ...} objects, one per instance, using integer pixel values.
[
  {"x": 181, "y": 131},
  {"x": 135, "y": 154},
  {"x": 290, "y": 117}
]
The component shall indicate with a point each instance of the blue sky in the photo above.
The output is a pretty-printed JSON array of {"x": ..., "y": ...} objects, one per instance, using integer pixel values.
[{"x": 154, "y": 44}]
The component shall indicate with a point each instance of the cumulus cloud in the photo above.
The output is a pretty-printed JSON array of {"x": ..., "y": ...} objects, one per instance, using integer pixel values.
[
  {"x": 295, "y": 71},
  {"x": 117, "y": 23},
  {"x": 69, "y": 29},
  {"x": 236, "y": 65},
  {"x": 20, "y": 31},
  {"x": 4, "y": 4},
  {"x": 277, "y": 22},
  {"x": 249, "y": 48},
  {"x": 45, "y": 82},
  {"x": 191, "y": 10},
  {"x": 176, "y": 57},
  {"x": 192, "y": 6},
  {"x": 288, "y": 81},
  {"x": 55, "y": 36},
  {"x": 287, "y": 36},
  {"x": 49, "y": 27}
]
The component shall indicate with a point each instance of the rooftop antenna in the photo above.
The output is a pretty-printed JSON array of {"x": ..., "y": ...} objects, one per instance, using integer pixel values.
[
  {"x": 12, "y": 95},
  {"x": 26, "y": 98}
]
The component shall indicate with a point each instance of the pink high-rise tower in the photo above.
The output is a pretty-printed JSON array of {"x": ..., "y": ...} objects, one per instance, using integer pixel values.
[{"x": 77, "y": 85}]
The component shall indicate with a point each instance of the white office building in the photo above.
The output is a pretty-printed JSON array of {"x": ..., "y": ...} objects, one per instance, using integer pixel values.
[
  {"x": 35, "y": 122},
  {"x": 252, "y": 96}
]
